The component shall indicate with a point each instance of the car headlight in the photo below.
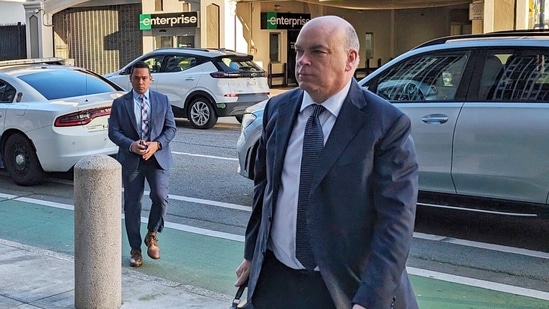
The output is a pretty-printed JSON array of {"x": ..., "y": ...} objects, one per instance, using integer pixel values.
[{"x": 247, "y": 120}]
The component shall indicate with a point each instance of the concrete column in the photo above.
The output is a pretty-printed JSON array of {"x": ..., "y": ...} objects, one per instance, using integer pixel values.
[
  {"x": 522, "y": 15},
  {"x": 97, "y": 233},
  {"x": 477, "y": 24},
  {"x": 489, "y": 16},
  {"x": 504, "y": 15},
  {"x": 39, "y": 30}
]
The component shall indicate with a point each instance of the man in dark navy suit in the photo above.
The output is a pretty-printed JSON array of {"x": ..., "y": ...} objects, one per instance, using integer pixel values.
[
  {"x": 336, "y": 180},
  {"x": 142, "y": 125}
]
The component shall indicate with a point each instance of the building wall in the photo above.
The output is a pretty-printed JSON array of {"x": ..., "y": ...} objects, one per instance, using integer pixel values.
[
  {"x": 254, "y": 40},
  {"x": 394, "y": 31},
  {"x": 11, "y": 13},
  {"x": 101, "y": 38},
  {"x": 212, "y": 19},
  {"x": 104, "y": 35},
  {"x": 210, "y": 32}
]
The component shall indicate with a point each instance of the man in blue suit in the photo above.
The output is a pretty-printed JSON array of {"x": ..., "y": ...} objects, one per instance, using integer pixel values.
[
  {"x": 360, "y": 197},
  {"x": 142, "y": 125}
]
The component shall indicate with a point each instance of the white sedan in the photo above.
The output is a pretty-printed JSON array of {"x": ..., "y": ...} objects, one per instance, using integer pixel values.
[{"x": 51, "y": 116}]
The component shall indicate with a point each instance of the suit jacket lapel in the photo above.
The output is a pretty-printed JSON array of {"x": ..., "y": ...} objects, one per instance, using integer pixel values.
[
  {"x": 128, "y": 104},
  {"x": 285, "y": 121},
  {"x": 154, "y": 111},
  {"x": 349, "y": 121}
]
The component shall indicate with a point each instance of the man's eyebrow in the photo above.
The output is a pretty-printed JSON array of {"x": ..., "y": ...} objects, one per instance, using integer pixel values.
[
  {"x": 318, "y": 46},
  {"x": 312, "y": 47}
]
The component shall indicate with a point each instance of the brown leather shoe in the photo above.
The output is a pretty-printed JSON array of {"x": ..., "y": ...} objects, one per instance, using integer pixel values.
[
  {"x": 152, "y": 244},
  {"x": 136, "y": 259}
]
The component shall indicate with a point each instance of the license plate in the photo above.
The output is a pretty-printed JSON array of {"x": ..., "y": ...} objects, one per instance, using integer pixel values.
[{"x": 251, "y": 82}]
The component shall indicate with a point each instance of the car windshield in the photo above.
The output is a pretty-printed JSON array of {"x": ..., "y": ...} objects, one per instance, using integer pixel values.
[{"x": 57, "y": 84}]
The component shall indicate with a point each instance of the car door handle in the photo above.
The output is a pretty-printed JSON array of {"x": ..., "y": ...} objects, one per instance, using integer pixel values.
[
  {"x": 189, "y": 78},
  {"x": 435, "y": 119}
]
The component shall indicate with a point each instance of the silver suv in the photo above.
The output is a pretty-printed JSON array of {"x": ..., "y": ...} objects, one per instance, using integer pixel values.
[
  {"x": 479, "y": 106},
  {"x": 202, "y": 84}
]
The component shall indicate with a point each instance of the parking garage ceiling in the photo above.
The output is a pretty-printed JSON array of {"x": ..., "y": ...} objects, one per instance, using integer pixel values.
[{"x": 378, "y": 4}]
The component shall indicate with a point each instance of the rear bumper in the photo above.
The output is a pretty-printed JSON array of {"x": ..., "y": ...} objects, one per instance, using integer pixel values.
[
  {"x": 60, "y": 151},
  {"x": 239, "y": 106}
]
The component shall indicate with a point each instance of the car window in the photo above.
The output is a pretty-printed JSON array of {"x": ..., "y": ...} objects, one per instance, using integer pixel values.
[
  {"x": 523, "y": 75},
  {"x": 178, "y": 63},
  {"x": 154, "y": 63},
  {"x": 7, "y": 92},
  {"x": 237, "y": 65},
  {"x": 427, "y": 77},
  {"x": 57, "y": 84},
  {"x": 491, "y": 72}
]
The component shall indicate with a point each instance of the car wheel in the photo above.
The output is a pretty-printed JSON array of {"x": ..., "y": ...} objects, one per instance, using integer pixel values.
[
  {"x": 21, "y": 161},
  {"x": 239, "y": 118},
  {"x": 201, "y": 113}
]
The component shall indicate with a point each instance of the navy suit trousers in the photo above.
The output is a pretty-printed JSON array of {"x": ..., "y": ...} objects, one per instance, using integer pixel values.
[
  {"x": 134, "y": 186},
  {"x": 282, "y": 287}
]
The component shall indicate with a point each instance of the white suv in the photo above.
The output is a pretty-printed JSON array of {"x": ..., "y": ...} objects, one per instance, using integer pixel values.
[
  {"x": 479, "y": 109},
  {"x": 202, "y": 84}
]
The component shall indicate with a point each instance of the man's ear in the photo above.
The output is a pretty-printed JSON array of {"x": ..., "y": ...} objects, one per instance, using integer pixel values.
[{"x": 352, "y": 60}]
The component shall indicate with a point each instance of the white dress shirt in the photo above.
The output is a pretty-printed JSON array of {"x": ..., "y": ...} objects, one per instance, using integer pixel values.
[{"x": 282, "y": 241}]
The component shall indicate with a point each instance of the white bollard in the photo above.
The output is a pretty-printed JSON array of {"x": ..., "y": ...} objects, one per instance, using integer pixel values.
[{"x": 97, "y": 233}]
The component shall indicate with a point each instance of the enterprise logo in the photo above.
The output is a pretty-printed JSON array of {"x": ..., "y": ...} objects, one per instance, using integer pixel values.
[
  {"x": 273, "y": 20},
  {"x": 170, "y": 20}
]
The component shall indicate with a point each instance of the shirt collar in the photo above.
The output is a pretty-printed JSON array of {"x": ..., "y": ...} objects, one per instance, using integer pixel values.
[
  {"x": 136, "y": 95},
  {"x": 332, "y": 104}
]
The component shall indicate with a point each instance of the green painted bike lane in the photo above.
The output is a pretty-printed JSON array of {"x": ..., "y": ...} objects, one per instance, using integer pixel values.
[{"x": 209, "y": 262}]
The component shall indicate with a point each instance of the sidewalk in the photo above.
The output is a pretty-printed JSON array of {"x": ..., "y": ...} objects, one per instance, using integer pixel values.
[{"x": 38, "y": 278}]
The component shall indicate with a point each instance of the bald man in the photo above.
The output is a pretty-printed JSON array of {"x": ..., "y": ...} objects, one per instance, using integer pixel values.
[{"x": 335, "y": 188}]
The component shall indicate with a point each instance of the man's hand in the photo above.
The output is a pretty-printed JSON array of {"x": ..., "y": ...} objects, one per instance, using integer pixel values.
[
  {"x": 152, "y": 147},
  {"x": 145, "y": 149},
  {"x": 138, "y": 147},
  {"x": 243, "y": 272}
]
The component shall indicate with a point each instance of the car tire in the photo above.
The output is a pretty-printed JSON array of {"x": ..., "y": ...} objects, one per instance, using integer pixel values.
[
  {"x": 201, "y": 113},
  {"x": 239, "y": 118},
  {"x": 21, "y": 161}
]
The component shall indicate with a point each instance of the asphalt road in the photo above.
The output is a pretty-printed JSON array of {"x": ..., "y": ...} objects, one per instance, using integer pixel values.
[
  {"x": 206, "y": 259},
  {"x": 487, "y": 251}
]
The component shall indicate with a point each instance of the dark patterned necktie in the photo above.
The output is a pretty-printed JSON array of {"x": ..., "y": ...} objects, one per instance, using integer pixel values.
[
  {"x": 144, "y": 118},
  {"x": 313, "y": 142}
]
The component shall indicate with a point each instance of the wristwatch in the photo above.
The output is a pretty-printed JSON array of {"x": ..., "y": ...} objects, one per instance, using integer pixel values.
[{"x": 159, "y": 145}]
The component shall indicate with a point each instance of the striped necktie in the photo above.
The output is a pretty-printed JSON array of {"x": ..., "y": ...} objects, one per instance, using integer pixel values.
[{"x": 144, "y": 118}]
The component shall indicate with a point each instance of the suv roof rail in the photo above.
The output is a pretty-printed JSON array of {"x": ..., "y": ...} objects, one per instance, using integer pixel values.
[
  {"x": 504, "y": 33},
  {"x": 204, "y": 49},
  {"x": 182, "y": 48},
  {"x": 50, "y": 60}
]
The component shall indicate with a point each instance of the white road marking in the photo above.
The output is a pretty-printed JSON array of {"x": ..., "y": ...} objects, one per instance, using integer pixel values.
[
  {"x": 478, "y": 283},
  {"x": 197, "y": 230},
  {"x": 412, "y": 270},
  {"x": 481, "y": 245},
  {"x": 510, "y": 214},
  {"x": 207, "y": 202},
  {"x": 203, "y": 156}
]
